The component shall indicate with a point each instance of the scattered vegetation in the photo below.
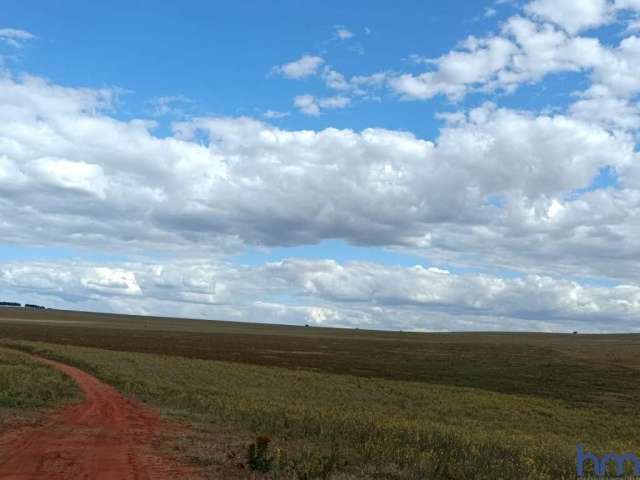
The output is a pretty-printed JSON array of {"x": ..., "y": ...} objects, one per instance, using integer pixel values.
[
  {"x": 356, "y": 404},
  {"x": 581, "y": 370},
  {"x": 343, "y": 426}
]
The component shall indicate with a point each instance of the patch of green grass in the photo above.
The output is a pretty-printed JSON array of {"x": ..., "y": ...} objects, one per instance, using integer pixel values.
[
  {"x": 26, "y": 387},
  {"x": 325, "y": 425}
]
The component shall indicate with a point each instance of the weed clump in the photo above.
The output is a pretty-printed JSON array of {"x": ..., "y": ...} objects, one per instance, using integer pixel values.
[{"x": 258, "y": 457}]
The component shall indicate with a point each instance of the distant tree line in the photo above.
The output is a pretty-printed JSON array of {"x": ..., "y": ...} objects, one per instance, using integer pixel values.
[
  {"x": 10, "y": 304},
  {"x": 26, "y": 305}
]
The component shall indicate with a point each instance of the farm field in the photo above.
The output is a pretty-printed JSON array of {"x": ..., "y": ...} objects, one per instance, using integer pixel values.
[{"x": 358, "y": 404}]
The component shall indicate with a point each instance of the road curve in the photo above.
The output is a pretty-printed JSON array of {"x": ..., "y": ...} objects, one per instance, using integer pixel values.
[{"x": 105, "y": 437}]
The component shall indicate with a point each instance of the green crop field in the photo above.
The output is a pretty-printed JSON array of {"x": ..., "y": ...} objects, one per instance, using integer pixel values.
[{"x": 346, "y": 404}]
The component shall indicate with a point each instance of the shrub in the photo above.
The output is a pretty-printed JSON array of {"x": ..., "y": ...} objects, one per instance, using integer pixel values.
[{"x": 258, "y": 456}]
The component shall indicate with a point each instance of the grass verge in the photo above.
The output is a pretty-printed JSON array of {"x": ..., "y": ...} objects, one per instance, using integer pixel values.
[{"x": 27, "y": 387}]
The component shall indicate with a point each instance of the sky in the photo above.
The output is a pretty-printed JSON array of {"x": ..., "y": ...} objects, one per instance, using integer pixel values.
[{"x": 418, "y": 166}]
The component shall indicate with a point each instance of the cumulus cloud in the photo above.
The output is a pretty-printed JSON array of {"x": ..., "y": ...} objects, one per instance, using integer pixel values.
[
  {"x": 434, "y": 289},
  {"x": 335, "y": 79},
  {"x": 599, "y": 105},
  {"x": 573, "y": 15},
  {"x": 357, "y": 86},
  {"x": 68, "y": 175},
  {"x": 307, "y": 104},
  {"x": 543, "y": 39},
  {"x": 310, "y": 105},
  {"x": 305, "y": 66},
  {"x": 508, "y": 186},
  {"x": 577, "y": 15},
  {"x": 525, "y": 52},
  {"x": 529, "y": 48},
  {"x": 330, "y": 294}
]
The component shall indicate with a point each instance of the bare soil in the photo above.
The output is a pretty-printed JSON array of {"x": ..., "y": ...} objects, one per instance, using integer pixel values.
[{"x": 105, "y": 437}]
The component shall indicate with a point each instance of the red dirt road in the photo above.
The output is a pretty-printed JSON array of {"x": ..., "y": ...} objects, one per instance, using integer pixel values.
[{"x": 106, "y": 437}]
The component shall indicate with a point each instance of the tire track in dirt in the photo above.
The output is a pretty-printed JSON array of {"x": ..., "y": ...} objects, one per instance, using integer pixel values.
[{"x": 105, "y": 437}]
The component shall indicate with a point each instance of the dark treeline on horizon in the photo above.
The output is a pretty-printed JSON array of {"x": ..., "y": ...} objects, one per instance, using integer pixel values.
[{"x": 16, "y": 304}]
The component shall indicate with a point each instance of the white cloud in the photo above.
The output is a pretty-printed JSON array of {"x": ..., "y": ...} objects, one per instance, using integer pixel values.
[
  {"x": 490, "y": 12},
  {"x": 528, "y": 49},
  {"x": 542, "y": 40},
  {"x": 432, "y": 289},
  {"x": 305, "y": 66},
  {"x": 169, "y": 105},
  {"x": 334, "y": 102},
  {"x": 109, "y": 281},
  {"x": 573, "y": 15},
  {"x": 275, "y": 114},
  {"x": 72, "y": 175},
  {"x": 310, "y": 105},
  {"x": 619, "y": 70},
  {"x": 343, "y": 33},
  {"x": 15, "y": 37},
  {"x": 525, "y": 52},
  {"x": 599, "y": 105},
  {"x": 335, "y": 80},
  {"x": 307, "y": 104},
  {"x": 633, "y": 26},
  {"x": 329, "y": 294},
  {"x": 627, "y": 4},
  {"x": 577, "y": 15},
  {"x": 357, "y": 86},
  {"x": 458, "y": 69},
  {"x": 68, "y": 175}
]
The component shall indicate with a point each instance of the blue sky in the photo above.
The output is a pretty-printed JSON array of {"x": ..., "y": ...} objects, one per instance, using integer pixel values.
[
  {"x": 220, "y": 54},
  {"x": 407, "y": 165}
]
